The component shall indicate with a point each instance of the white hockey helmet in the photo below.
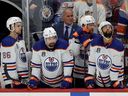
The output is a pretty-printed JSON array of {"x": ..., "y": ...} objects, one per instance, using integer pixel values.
[
  {"x": 49, "y": 32},
  {"x": 102, "y": 24},
  {"x": 11, "y": 21},
  {"x": 87, "y": 19}
]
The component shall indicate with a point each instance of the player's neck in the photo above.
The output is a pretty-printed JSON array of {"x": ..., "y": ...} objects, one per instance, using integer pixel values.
[
  {"x": 14, "y": 35},
  {"x": 108, "y": 42}
]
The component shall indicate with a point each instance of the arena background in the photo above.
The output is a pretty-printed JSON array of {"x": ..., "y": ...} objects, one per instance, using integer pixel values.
[{"x": 8, "y": 8}]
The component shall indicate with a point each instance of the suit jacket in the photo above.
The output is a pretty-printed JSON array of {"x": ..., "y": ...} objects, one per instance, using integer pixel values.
[{"x": 60, "y": 29}]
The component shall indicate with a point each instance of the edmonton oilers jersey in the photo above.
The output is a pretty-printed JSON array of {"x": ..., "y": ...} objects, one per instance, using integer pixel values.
[
  {"x": 80, "y": 68},
  {"x": 106, "y": 61},
  {"x": 14, "y": 59},
  {"x": 50, "y": 66}
]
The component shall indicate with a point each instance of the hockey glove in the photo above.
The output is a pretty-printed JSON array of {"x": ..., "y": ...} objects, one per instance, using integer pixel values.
[
  {"x": 117, "y": 84},
  {"x": 66, "y": 83},
  {"x": 33, "y": 83},
  {"x": 18, "y": 84},
  {"x": 89, "y": 82}
]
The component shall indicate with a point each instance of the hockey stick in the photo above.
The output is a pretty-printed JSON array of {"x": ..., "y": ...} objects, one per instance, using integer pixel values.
[
  {"x": 85, "y": 59},
  {"x": 102, "y": 79},
  {"x": 7, "y": 74}
]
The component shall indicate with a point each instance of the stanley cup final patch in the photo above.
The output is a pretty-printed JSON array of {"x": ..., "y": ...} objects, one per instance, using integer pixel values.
[{"x": 46, "y": 13}]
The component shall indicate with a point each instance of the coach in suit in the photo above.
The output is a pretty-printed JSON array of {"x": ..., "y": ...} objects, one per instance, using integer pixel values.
[{"x": 67, "y": 27}]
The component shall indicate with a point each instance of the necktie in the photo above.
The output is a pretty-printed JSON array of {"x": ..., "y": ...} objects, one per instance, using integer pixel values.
[{"x": 66, "y": 33}]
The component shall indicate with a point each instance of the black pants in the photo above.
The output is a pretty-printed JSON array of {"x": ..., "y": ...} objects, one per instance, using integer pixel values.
[
  {"x": 43, "y": 85},
  {"x": 78, "y": 83}
]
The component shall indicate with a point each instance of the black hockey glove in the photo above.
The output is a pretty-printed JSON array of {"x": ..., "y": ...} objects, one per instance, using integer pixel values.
[
  {"x": 66, "y": 83},
  {"x": 89, "y": 82}
]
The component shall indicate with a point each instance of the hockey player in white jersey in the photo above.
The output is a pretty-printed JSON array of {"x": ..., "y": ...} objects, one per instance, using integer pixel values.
[
  {"x": 105, "y": 68},
  {"x": 83, "y": 36},
  {"x": 51, "y": 62},
  {"x": 13, "y": 56}
]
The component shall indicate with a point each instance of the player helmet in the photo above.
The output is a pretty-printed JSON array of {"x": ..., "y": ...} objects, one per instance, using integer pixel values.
[
  {"x": 50, "y": 37},
  {"x": 49, "y": 32},
  {"x": 11, "y": 21},
  {"x": 107, "y": 36},
  {"x": 88, "y": 19}
]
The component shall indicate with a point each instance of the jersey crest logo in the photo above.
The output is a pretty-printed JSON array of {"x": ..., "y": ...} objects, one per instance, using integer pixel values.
[
  {"x": 104, "y": 62},
  {"x": 22, "y": 55},
  {"x": 51, "y": 64}
]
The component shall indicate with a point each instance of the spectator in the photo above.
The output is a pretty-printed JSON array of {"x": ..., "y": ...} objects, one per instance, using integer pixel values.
[
  {"x": 113, "y": 11},
  {"x": 82, "y": 6},
  {"x": 122, "y": 24},
  {"x": 14, "y": 59},
  {"x": 51, "y": 63},
  {"x": 105, "y": 67}
]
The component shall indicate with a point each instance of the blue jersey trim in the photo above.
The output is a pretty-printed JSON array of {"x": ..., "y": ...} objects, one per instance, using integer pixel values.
[
  {"x": 60, "y": 44},
  {"x": 8, "y": 41}
]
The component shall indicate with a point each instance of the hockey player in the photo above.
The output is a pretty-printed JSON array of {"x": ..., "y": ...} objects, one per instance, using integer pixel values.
[
  {"x": 83, "y": 36},
  {"x": 13, "y": 54},
  {"x": 105, "y": 68},
  {"x": 51, "y": 62}
]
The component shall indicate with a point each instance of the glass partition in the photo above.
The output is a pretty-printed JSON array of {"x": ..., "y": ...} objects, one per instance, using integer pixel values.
[{"x": 39, "y": 14}]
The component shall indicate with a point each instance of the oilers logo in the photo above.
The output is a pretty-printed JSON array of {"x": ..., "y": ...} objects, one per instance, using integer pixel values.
[
  {"x": 51, "y": 64},
  {"x": 22, "y": 55},
  {"x": 104, "y": 62}
]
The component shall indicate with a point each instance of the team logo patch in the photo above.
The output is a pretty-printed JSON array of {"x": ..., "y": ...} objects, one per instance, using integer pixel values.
[
  {"x": 104, "y": 62},
  {"x": 46, "y": 13},
  {"x": 22, "y": 55},
  {"x": 43, "y": 54},
  {"x": 98, "y": 50},
  {"x": 71, "y": 53},
  {"x": 51, "y": 64}
]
